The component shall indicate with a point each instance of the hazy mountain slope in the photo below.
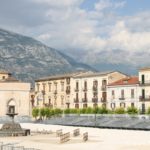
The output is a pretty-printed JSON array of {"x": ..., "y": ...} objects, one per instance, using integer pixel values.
[{"x": 29, "y": 59}]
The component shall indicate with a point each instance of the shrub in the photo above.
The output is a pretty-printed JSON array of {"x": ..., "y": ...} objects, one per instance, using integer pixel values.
[
  {"x": 95, "y": 110},
  {"x": 42, "y": 113},
  {"x": 120, "y": 110},
  {"x": 102, "y": 110},
  {"x": 89, "y": 110},
  {"x": 67, "y": 111},
  {"x": 83, "y": 110},
  {"x": 35, "y": 112},
  {"x": 47, "y": 112},
  {"x": 148, "y": 111},
  {"x": 73, "y": 111},
  {"x": 132, "y": 110},
  {"x": 57, "y": 111}
]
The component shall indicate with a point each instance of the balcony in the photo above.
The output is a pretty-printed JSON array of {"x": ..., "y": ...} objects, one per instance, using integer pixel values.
[
  {"x": 94, "y": 88},
  {"x": 144, "y": 98},
  {"x": 94, "y": 99},
  {"x": 145, "y": 83},
  {"x": 76, "y": 90},
  {"x": 55, "y": 92},
  {"x": 103, "y": 88},
  {"x": 121, "y": 98},
  {"x": 103, "y": 99},
  {"x": 76, "y": 100},
  {"x": 84, "y": 100},
  {"x": 67, "y": 91},
  {"x": 85, "y": 89}
]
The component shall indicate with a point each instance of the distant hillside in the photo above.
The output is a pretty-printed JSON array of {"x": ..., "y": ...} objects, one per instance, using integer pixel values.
[{"x": 29, "y": 59}]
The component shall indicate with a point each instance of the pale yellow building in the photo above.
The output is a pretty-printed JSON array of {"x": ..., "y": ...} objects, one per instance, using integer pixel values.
[
  {"x": 14, "y": 95},
  {"x": 74, "y": 90}
]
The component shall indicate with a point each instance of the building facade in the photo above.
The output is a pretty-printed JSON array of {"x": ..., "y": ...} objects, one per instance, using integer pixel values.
[
  {"x": 124, "y": 93},
  {"x": 74, "y": 90},
  {"x": 144, "y": 92},
  {"x": 14, "y": 95}
]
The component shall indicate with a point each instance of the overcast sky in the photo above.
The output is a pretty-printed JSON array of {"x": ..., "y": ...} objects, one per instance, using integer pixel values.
[{"x": 81, "y": 27}]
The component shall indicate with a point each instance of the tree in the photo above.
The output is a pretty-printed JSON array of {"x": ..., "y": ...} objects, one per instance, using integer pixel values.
[
  {"x": 132, "y": 110},
  {"x": 47, "y": 112},
  {"x": 35, "y": 112},
  {"x": 42, "y": 113},
  {"x": 119, "y": 110}
]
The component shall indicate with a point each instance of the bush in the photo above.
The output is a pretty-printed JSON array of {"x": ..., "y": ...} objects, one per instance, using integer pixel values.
[
  {"x": 102, "y": 110},
  {"x": 148, "y": 111},
  {"x": 95, "y": 110},
  {"x": 57, "y": 111},
  {"x": 132, "y": 110},
  {"x": 42, "y": 113},
  {"x": 89, "y": 110},
  {"x": 83, "y": 110},
  {"x": 35, "y": 112},
  {"x": 73, "y": 111},
  {"x": 47, "y": 112},
  {"x": 119, "y": 110},
  {"x": 67, "y": 111}
]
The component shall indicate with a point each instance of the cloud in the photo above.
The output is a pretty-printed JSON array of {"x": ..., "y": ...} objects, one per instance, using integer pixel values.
[{"x": 67, "y": 26}]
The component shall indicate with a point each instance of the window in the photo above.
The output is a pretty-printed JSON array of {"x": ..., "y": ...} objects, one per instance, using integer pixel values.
[
  {"x": 122, "y": 93},
  {"x": 3, "y": 77},
  {"x": 50, "y": 86},
  {"x": 113, "y": 94},
  {"x": 44, "y": 86},
  {"x": 62, "y": 100},
  {"x": 85, "y": 85},
  {"x": 62, "y": 86},
  {"x": 132, "y": 104},
  {"x": 122, "y": 105},
  {"x": 132, "y": 93},
  {"x": 77, "y": 85},
  {"x": 38, "y": 87}
]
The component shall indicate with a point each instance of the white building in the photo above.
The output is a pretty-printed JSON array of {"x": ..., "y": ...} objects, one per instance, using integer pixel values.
[
  {"x": 90, "y": 89},
  {"x": 123, "y": 93},
  {"x": 144, "y": 93},
  {"x": 14, "y": 95}
]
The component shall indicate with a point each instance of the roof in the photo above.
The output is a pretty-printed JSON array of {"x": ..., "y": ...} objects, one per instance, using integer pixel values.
[
  {"x": 126, "y": 81},
  {"x": 144, "y": 69},
  {"x": 10, "y": 79},
  {"x": 93, "y": 74},
  {"x": 61, "y": 76},
  {"x": 4, "y": 72}
]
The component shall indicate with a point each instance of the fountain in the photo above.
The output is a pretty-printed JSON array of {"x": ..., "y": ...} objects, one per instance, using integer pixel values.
[{"x": 12, "y": 128}]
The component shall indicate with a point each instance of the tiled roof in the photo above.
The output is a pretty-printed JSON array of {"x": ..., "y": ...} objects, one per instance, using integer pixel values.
[{"x": 126, "y": 81}]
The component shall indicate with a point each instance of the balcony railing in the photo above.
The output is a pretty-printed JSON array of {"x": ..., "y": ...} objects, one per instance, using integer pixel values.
[
  {"x": 84, "y": 89},
  {"x": 55, "y": 92},
  {"x": 145, "y": 83},
  {"x": 76, "y": 90},
  {"x": 144, "y": 98},
  {"x": 84, "y": 100},
  {"x": 94, "y": 99},
  {"x": 103, "y": 99},
  {"x": 121, "y": 98},
  {"x": 76, "y": 100},
  {"x": 95, "y": 88},
  {"x": 103, "y": 88}
]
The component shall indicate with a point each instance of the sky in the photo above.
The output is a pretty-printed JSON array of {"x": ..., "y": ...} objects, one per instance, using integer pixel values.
[{"x": 84, "y": 29}]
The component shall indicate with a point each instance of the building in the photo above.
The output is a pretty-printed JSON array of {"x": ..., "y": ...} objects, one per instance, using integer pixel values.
[
  {"x": 123, "y": 93},
  {"x": 14, "y": 95},
  {"x": 144, "y": 93},
  {"x": 90, "y": 89},
  {"x": 74, "y": 90},
  {"x": 55, "y": 91}
]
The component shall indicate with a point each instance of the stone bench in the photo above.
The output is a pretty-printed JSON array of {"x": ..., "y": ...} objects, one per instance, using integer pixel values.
[
  {"x": 65, "y": 137},
  {"x": 85, "y": 136},
  {"x": 76, "y": 132}
]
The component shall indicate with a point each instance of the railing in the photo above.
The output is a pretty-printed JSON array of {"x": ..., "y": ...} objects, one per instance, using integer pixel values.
[
  {"x": 144, "y": 98},
  {"x": 103, "y": 88},
  {"x": 103, "y": 99},
  {"x": 94, "y": 99},
  {"x": 84, "y": 100},
  {"x": 76, "y": 100},
  {"x": 84, "y": 89},
  {"x": 76, "y": 90},
  {"x": 121, "y": 98}
]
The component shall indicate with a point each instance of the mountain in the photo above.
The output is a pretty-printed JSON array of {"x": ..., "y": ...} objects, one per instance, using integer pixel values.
[{"x": 29, "y": 59}]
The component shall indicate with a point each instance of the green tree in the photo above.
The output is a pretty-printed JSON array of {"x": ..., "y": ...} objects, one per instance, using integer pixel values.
[
  {"x": 35, "y": 112},
  {"x": 42, "y": 113},
  {"x": 47, "y": 112},
  {"x": 89, "y": 110},
  {"x": 67, "y": 111}
]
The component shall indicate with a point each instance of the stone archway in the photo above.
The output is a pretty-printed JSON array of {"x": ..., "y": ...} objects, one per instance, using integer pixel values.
[{"x": 11, "y": 106}]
